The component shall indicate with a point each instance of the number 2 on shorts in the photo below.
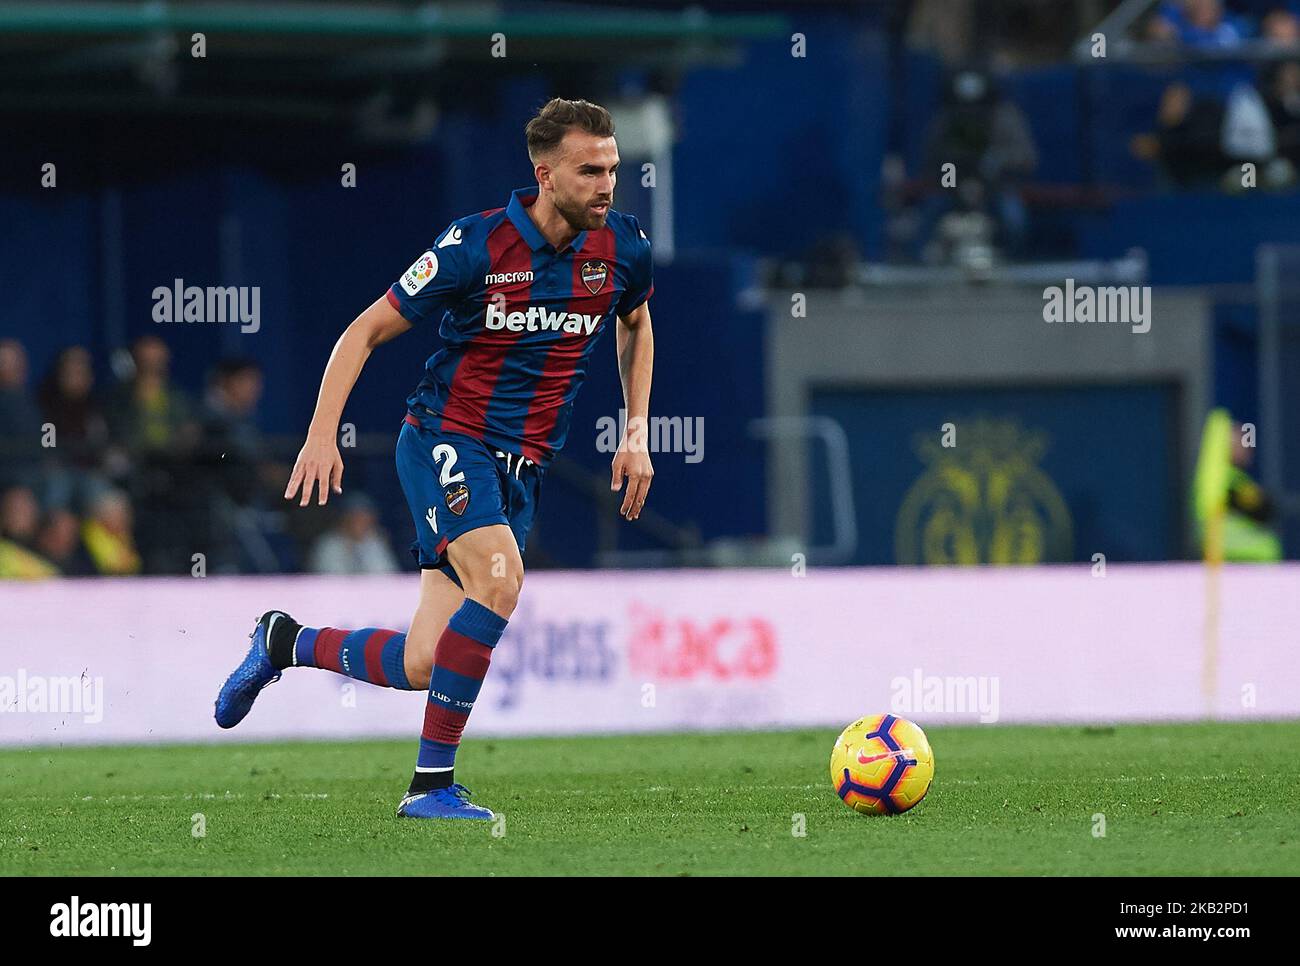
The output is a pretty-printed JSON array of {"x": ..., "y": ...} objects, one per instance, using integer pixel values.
[{"x": 445, "y": 451}]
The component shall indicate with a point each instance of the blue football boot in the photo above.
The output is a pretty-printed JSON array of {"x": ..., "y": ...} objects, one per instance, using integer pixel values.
[
  {"x": 450, "y": 802},
  {"x": 255, "y": 672}
]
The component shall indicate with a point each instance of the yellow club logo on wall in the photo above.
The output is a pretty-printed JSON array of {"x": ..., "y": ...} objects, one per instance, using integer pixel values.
[{"x": 983, "y": 499}]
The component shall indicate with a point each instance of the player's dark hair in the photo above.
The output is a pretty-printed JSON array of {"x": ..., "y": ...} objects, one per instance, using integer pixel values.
[{"x": 545, "y": 132}]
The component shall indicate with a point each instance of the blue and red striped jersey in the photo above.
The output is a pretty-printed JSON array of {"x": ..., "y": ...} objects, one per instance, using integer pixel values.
[{"x": 518, "y": 321}]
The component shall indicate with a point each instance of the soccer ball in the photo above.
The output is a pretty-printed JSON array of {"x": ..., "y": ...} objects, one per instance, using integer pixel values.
[{"x": 881, "y": 765}]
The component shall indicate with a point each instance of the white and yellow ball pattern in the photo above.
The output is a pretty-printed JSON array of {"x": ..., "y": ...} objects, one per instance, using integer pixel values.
[{"x": 882, "y": 765}]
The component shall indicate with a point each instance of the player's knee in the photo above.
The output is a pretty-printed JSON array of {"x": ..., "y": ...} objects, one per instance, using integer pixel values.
[
  {"x": 497, "y": 588},
  {"x": 501, "y": 594}
]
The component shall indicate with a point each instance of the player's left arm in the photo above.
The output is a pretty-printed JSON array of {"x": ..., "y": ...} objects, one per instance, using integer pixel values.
[{"x": 636, "y": 356}]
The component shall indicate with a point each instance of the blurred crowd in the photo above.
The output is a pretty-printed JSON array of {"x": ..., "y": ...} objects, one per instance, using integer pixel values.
[
  {"x": 143, "y": 478},
  {"x": 1235, "y": 99},
  {"x": 1228, "y": 112},
  {"x": 1216, "y": 25}
]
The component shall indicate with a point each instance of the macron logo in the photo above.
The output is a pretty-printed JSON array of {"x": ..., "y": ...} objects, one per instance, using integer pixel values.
[
  {"x": 538, "y": 319},
  {"x": 506, "y": 278}
]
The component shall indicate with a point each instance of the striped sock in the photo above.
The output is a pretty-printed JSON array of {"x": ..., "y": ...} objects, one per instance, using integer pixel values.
[
  {"x": 460, "y": 662},
  {"x": 370, "y": 654}
]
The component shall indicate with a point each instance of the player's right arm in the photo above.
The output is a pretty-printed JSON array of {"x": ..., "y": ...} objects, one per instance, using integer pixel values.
[
  {"x": 437, "y": 280},
  {"x": 319, "y": 461}
]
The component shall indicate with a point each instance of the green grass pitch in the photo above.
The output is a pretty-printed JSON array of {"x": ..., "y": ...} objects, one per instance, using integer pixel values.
[{"x": 1198, "y": 799}]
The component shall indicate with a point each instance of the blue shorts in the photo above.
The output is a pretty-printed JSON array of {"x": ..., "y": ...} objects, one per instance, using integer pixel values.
[{"x": 455, "y": 483}]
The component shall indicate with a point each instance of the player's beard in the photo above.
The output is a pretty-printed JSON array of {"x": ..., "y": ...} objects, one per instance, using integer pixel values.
[{"x": 579, "y": 214}]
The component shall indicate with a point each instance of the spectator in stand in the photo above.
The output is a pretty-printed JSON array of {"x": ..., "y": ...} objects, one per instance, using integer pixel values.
[
  {"x": 20, "y": 516},
  {"x": 231, "y": 459},
  {"x": 108, "y": 537},
  {"x": 153, "y": 431},
  {"x": 79, "y": 428},
  {"x": 1281, "y": 84},
  {"x": 1281, "y": 27},
  {"x": 1187, "y": 143},
  {"x": 21, "y": 454},
  {"x": 67, "y": 400},
  {"x": 19, "y": 521},
  {"x": 231, "y": 444},
  {"x": 147, "y": 415},
  {"x": 59, "y": 542},
  {"x": 355, "y": 545}
]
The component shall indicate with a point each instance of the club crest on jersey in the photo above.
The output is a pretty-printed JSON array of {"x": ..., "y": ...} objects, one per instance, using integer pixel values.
[
  {"x": 458, "y": 499},
  {"x": 593, "y": 275}
]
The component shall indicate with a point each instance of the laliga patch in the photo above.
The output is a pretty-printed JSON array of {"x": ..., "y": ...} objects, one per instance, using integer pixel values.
[
  {"x": 458, "y": 499},
  {"x": 594, "y": 275},
  {"x": 418, "y": 275}
]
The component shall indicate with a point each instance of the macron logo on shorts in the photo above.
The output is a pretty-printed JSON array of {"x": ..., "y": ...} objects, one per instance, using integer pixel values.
[{"x": 537, "y": 319}]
